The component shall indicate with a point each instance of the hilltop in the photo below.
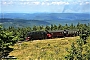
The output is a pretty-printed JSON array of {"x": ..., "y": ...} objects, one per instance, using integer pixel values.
[{"x": 43, "y": 49}]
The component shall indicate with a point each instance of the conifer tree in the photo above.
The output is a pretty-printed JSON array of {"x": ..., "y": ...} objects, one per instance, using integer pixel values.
[
  {"x": 55, "y": 27},
  {"x": 34, "y": 28},
  {"x": 47, "y": 27},
  {"x": 52, "y": 27},
  {"x": 77, "y": 52},
  {"x": 59, "y": 27}
]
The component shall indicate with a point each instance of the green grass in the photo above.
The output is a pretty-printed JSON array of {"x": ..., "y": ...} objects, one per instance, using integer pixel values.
[{"x": 48, "y": 49}]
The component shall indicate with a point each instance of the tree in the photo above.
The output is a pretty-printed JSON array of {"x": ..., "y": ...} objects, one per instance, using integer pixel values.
[
  {"x": 77, "y": 52},
  {"x": 78, "y": 25},
  {"x": 47, "y": 27},
  {"x": 55, "y": 27},
  {"x": 52, "y": 27},
  {"x": 59, "y": 27},
  {"x": 6, "y": 39},
  {"x": 72, "y": 26},
  {"x": 34, "y": 28},
  {"x": 40, "y": 28},
  {"x": 66, "y": 26},
  {"x": 1, "y": 43}
]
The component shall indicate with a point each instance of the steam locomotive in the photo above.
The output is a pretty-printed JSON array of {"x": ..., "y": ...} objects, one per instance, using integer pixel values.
[{"x": 35, "y": 35}]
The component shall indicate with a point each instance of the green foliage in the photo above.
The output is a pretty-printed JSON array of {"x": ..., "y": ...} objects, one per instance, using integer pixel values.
[
  {"x": 66, "y": 27},
  {"x": 34, "y": 28},
  {"x": 59, "y": 27},
  {"x": 11, "y": 35},
  {"x": 47, "y": 28},
  {"x": 51, "y": 26},
  {"x": 78, "y": 51},
  {"x": 72, "y": 26},
  {"x": 7, "y": 37},
  {"x": 55, "y": 27}
]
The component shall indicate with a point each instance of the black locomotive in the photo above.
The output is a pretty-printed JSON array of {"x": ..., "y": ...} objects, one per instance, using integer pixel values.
[{"x": 36, "y": 35}]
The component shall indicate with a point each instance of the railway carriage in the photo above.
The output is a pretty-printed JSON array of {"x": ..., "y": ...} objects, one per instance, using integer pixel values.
[
  {"x": 57, "y": 33},
  {"x": 72, "y": 33}
]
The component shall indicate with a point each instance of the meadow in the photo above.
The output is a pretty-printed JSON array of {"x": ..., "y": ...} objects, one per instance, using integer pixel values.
[{"x": 48, "y": 49}]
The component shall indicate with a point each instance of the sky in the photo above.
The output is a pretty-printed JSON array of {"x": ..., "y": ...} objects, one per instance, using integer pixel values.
[{"x": 44, "y": 6}]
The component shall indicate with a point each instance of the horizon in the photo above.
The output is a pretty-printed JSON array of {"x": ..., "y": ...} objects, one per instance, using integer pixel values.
[{"x": 45, "y": 13}]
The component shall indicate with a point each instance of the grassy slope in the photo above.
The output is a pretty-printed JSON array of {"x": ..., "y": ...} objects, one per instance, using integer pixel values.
[{"x": 43, "y": 49}]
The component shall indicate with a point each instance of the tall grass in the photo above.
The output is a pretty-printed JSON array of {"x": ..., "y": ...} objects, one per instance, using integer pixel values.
[{"x": 48, "y": 49}]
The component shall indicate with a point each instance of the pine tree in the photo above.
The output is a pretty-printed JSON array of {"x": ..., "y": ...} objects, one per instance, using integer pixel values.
[
  {"x": 77, "y": 52},
  {"x": 66, "y": 27},
  {"x": 59, "y": 27},
  {"x": 7, "y": 38},
  {"x": 55, "y": 27},
  {"x": 72, "y": 26},
  {"x": 52, "y": 27},
  {"x": 47, "y": 27},
  {"x": 34, "y": 28}
]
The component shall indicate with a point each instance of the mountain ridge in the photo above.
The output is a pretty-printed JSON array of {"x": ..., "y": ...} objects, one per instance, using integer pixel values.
[
  {"x": 26, "y": 19},
  {"x": 47, "y": 16}
]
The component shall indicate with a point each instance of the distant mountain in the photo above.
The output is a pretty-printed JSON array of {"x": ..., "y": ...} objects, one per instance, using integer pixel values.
[
  {"x": 26, "y": 19},
  {"x": 6, "y": 20},
  {"x": 47, "y": 16},
  {"x": 21, "y": 22}
]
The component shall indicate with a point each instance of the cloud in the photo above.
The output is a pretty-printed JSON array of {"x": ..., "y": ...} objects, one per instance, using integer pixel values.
[
  {"x": 36, "y": 3},
  {"x": 43, "y": 3},
  {"x": 4, "y": 3},
  {"x": 54, "y": 3},
  {"x": 87, "y": 2},
  {"x": 7, "y": 2},
  {"x": 23, "y": 2},
  {"x": 47, "y": 5},
  {"x": 59, "y": 3},
  {"x": 84, "y": 3},
  {"x": 77, "y": 7}
]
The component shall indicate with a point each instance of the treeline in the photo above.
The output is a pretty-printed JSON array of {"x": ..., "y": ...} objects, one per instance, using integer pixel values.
[
  {"x": 20, "y": 33},
  {"x": 9, "y": 36}
]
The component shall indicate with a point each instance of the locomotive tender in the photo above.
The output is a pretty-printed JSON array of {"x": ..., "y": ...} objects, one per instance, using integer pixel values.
[{"x": 35, "y": 35}]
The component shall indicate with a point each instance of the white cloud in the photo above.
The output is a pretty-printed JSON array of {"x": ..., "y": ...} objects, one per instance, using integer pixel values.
[
  {"x": 48, "y": 4},
  {"x": 84, "y": 3},
  {"x": 87, "y": 2},
  {"x": 81, "y": 3},
  {"x": 4, "y": 3},
  {"x": 24, "y": 3},
  {"x": 36, "y": 3},
  {"x": 43, "y": 3},
  {"x": 67, "y": 3},
  {"x": 60, "y": 3},
  {"x": 29, "y": 3},
  {"x": 47, "y": 0},
  {"x": 7, "y": 2}
]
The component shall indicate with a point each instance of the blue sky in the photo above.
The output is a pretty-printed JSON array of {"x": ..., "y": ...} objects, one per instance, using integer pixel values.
[{"x": 48, "y": 6}]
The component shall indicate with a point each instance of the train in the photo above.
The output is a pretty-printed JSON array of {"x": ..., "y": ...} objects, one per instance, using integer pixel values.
[{"x": 38, "y": 35}]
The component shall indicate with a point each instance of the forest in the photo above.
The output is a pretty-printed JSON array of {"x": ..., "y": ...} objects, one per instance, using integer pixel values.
[{"x": 9, "y": 36}]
